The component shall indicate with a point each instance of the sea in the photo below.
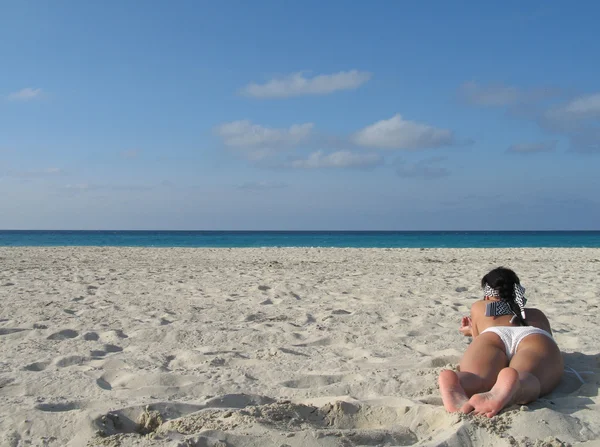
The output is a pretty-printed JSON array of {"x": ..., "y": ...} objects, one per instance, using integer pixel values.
[{"x": 349, "y": 239}]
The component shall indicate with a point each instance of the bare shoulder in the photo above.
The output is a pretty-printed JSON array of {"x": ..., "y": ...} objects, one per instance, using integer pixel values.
[{"x": 478, "y": 309}]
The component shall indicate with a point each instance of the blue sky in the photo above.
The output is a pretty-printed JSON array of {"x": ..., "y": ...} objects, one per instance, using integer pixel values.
[{"x": 299, "y": 115}]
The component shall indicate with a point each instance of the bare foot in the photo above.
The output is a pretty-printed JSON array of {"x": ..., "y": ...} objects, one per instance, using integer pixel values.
[
  {"x": 490, "y": 403},
  {"x": 453, "y": 395}
]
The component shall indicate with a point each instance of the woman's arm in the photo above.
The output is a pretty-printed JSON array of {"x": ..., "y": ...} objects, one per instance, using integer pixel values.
[
  {"x": 475, "y": 312},
  {"x": 465, "y": 327}
]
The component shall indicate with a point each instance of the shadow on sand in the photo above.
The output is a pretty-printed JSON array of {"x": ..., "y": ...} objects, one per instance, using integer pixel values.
[{"x": 580, "y": 382}]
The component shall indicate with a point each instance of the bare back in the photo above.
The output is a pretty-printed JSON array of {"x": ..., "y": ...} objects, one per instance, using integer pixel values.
[{"x": 480, "y": 322}]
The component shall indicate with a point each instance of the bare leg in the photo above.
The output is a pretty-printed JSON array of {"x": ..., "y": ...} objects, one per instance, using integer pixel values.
[
  {"x": 453, "y": 394},
  {"x": 481, "y": 363},
  {"x": 535, "y": 369},
  {"x": 490, "y": 403},
  {"x": 478, "y": 371},
  {"x": 538, "y": 356},
  {"x": 529, "y": 389}
]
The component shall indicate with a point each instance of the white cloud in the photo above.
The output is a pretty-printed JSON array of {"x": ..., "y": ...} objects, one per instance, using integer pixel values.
[
  {"x": 398, "y": 133},
  {"x": 578, "y": 119},
  {"x": 26, "y": 94},
  {"x": 340, "y": 159},
  {"x": 259, "y": 141},
  {"x": 296, "y": 84},
  {"x": 530, "y": 148},
  {"x": 570, "y": 115},
  {"x": 584, "y": 105}
]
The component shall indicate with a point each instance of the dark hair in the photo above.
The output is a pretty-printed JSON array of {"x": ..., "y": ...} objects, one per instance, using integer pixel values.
[{"x": 504, "y": 280}]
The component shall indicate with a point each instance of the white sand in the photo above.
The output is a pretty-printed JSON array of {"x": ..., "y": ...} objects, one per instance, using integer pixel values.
[{"x": 261, "y": 347}]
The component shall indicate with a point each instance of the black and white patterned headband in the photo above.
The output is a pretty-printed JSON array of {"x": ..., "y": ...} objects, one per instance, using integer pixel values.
[{"x": 502, "y": 307}]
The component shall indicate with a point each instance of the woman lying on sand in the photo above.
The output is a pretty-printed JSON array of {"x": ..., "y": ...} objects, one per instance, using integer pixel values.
[{"x": 513, "y": 358}]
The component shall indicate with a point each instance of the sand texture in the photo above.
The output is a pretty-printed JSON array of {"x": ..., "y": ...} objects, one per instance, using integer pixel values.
[{"x": 275, "y": 347}]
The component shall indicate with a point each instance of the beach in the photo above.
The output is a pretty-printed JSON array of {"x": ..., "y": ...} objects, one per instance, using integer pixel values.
[{"x": 292, "y": 347}]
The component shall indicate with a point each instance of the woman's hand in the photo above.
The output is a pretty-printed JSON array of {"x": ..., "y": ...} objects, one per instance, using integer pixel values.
[{"x": 465, "y": 327}]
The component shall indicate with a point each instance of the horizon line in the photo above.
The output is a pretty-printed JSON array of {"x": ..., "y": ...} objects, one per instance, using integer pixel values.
[{"x": 301, "y": 231}]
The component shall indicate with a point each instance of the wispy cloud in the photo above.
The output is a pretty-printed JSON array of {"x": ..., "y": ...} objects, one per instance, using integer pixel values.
[
  {"x": 262, "y": 185},
  {"x": 577, "y": 119},
  {"x": 489, "y": 95},
  {"x": 574, "y": 112},
  {"x": 296, "y": 84},
  {"x": 428, "y": 168},
  {"x": 584, "y": 105},
  {"x": 258, "y": 142},
  {"x": 398, "y": 133},
  {"x": 26, "y": 94},
  {"x": 531, "y": 148},
  {"x": 340, "y": 159},
  {"x": 500, "y": 95}
]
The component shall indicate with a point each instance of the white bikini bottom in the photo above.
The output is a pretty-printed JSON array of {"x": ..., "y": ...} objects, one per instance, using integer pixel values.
[{"x": 511, "y": 336}]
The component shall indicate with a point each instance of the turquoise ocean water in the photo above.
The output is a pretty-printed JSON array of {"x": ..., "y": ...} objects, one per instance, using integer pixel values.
[{"x": 375, "y": 239}]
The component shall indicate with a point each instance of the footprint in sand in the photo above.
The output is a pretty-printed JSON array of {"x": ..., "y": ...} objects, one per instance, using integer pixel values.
[
  {"x": 91, "y": 336},
  {"x": 7, "y": 331},
  {"x": 63, "y": 335},
  {"x": 37, "y": 366},
  {"x": 112, "y": 348},
  {"x": 71, "y": 360},
  {"x": 58, "y": 407},
  {"x": 103, "y": 384},
  {"x": 259, "y": 316},
  {"x": 107, "y": 349}
]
